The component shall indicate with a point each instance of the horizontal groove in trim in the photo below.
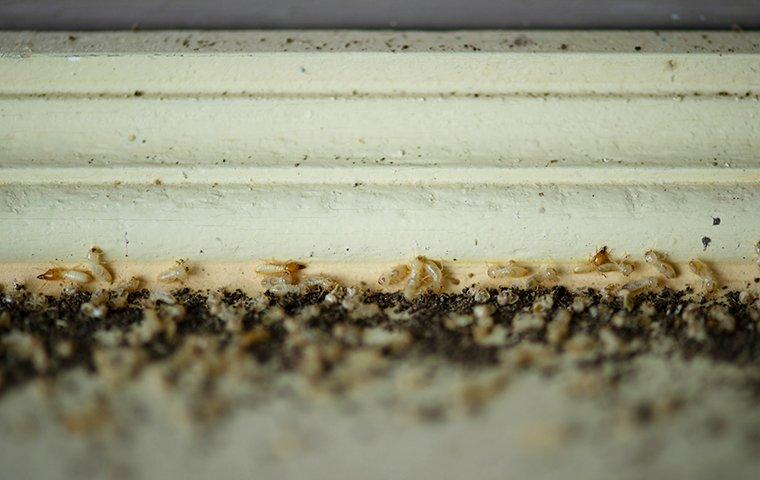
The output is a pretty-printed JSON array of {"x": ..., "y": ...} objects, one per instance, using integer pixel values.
[
  {"x": 342, "y": 74},
  {"x": 751, "y": 96},
  {"x": 376, "y": 175}
]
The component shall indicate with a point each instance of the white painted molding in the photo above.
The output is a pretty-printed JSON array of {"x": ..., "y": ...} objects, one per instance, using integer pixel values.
[{"x": 351, "y": 146}]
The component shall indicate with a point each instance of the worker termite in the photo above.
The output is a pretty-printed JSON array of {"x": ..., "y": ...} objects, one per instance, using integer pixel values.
[
  {"x": 122, "y": 291},
  {"x": 128, "y": 286},
  {"x": 757, "y": 251},
  {"x": 421, "y": 274},
  {"x": 64, "y": 274},
  {"x": 434, "y": 274},
  {"x": 414, "y": 282},
  {"x": 269, "y": 282},
  {"x": 320, "y": 281},
  {"x": 95, "y": 265},
  {"x": 622, "y": 266},
  {"x": 395, "y": 275},
  {"x": 544, "y": 274},
  {"x": 288, "y": 270},
  {"x": 511, "y": 270},
  {"x": 177, "y": 273},
  {"x": 659, "y": 262},
  {"x": 700, "y": 269},
  {"x": 631, "y": 289}
]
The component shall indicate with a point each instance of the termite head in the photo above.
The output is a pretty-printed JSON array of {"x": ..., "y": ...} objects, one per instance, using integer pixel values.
[
  {"x": 50, "y": 274},
  {"x": 293, "y": 267},
  {"x": 600, "y": 257}
]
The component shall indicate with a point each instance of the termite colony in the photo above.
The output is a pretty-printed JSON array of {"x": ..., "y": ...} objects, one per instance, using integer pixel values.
[
  {"x": 421, "y": 275},
  {"x": 284, "y": 277},
  {"x": 335, "y": 336}
]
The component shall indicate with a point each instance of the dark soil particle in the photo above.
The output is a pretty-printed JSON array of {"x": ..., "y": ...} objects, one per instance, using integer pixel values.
[{"x": 54, "y": 320}]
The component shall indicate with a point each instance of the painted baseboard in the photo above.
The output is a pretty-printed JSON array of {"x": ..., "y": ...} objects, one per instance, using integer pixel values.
[{"x": 356, "y": 146}]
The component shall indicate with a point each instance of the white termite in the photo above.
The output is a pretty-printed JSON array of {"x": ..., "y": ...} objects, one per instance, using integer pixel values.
[
  {"x": 434, "y": 274},
  {"x": 177, "y": 273},
  {"x": 95, "y": 265},
  {"x": 660, "y": 262},
  {"x": 128, "y": 286},
  {"x": 319, "y": 281},
  {"x": 629, "y": 291},
  {"x": 548, "y": 274},
  {"x": 393, "y": 276},
  {"x": 414, "y": 280},
  {"x": 623, "y": 267},
  {"x": 271, "y": 281},
  {"x": 510, "y": 270},
  {"x": 705, "y": 273}
]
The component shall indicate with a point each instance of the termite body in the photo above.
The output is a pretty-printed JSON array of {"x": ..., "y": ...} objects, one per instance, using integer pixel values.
[
  {"x": 631, "y": 289},
  {"x": 178, "y": 273},
  {"x": 705, "y": 273},
  {"x": 95, "y": 265},
  {"x": 511, "y": 270},
  {"x": 544, "y": 274},
  {"x": 394, "y": 276},
  {"x": 660, "y": 263}
]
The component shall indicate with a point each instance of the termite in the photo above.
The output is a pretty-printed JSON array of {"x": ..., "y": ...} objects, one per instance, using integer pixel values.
[
  {"x": 757, "y": 251},
  {"x": 285, "y": 288},
  {"x": 601, "y": 257},
  {"x": 122, "y": 291},
  {"x": 395, "y": 275},
  {"x": 511, "y": 270},
  {"x": 434, "y": 273},
  {"x": 287, "y": 270},
  {"x": 543, "y": 274},
  {"x": 95, "y": 265},
  {"x": 622, "y": 266},
  {"x": 269, "y": 282},
  {"x": 631, "y": 289},
  {"x": 700, "y": 269},
  {"x": 177, "y": 273},
  {"x": 601, "y": 262},
  {"x": 319, "y": 281},
  {"x": 660, "y": 262},
  {"x": 64, "y": 274},
  {"x": 414, "y": 280},
  {"x": 128, "y": 286}
]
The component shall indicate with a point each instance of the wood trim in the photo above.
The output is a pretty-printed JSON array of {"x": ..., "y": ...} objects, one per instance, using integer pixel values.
[{"x": 243, "y": 148}]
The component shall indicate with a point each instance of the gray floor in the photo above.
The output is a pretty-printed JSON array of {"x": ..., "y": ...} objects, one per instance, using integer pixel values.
[{"x": 537, "y": 426}]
